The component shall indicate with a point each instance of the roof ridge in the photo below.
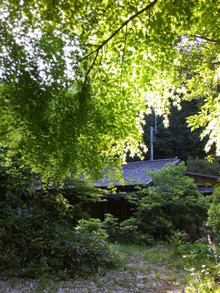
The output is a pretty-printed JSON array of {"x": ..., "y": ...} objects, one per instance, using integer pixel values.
[
  {"x": 148, "y": 161},
  {"x": 202, "y": 174}
]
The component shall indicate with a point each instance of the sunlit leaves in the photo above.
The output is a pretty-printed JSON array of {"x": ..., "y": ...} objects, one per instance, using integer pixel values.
[
  {"x": 210, "y": 118},
  {"x": 79, "y": 75}
]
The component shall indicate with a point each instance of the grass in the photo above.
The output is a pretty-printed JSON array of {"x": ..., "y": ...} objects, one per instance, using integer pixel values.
[
  {"x": 163, "y": 259},
  {"x": 143, "y": 269}
]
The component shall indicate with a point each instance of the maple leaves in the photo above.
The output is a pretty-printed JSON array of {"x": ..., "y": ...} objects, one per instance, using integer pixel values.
[{"x": 134, "y": 56}]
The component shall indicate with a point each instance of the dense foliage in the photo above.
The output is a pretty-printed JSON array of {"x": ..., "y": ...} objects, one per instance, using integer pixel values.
[
  {"x": 173, "y": 204},
  {"x": 37, "y": 236},
  {"x": 214, "y": 211},
  {"x": 77, "y": 77},
  {"x": 40, "y": 231},
  {"x": 204, "y": 166},
  {"x": 177, "y": 139}
]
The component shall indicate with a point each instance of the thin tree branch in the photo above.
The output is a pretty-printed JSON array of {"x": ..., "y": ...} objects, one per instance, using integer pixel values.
[
  {"x": 96, "y": 21},
  {"x": 118, "y": 30},
  {"x": 123, "y": 54},
  {"x": 207, "y": 39},
  {"x": 89, "y": 45},
  {"x": 98, "y": 65},
  {"x": 115, "y": 33},
  {"x": 87, "y": 73}
]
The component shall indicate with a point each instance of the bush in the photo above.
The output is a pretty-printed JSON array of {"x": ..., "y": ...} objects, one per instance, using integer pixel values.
[
  {"x": 173, "y": 204},
  {"x": 91, "y": 227},
  {"x": 214, "y": 211},
  {"x": 111, "y": 226},
  {"x": 205, "y": 274},
  {"x": 125, "y": 232},
  {"x": 38, "y": 229},
  {"x": 36, "y": 239}
]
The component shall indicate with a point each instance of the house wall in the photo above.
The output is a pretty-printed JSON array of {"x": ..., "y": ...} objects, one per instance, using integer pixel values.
[
  {"x": 119, "y": 208},
  {"x": 203, "y": 181}
]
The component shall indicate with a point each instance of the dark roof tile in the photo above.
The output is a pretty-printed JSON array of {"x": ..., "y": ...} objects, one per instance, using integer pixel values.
[{"x": 136, "y": 172}]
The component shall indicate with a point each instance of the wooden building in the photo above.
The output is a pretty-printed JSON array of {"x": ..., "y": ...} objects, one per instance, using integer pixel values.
[{"x": 205, "y": 182}]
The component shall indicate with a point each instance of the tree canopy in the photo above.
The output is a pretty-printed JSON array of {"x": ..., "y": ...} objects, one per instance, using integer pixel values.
[{"x": 78, "y": 76}]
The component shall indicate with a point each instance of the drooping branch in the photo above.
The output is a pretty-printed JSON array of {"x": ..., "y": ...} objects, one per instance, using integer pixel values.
[
  {"x": 122, "y": 60},
  {"x": 89, "y": 45},
  {"x": 115, "y": 33},
  {"x": 216, "y": 63},
  {"x": 97, "y": 68},
  {"x": 207, "y": 39},
  {"x": 87, "y": 74}
]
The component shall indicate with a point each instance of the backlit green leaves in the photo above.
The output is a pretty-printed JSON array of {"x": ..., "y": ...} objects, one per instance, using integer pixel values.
[{"x": 77, "y": 76}]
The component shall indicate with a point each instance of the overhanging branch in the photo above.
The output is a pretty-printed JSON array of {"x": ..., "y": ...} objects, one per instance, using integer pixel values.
[
  {"x": 97, "y": 52},
  {"x": 207, "y": 39},
  {"x": 115, "y": 33}
]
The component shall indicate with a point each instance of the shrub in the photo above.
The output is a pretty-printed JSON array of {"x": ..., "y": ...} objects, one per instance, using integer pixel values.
[
  {"x": 33, "y": 242},
  {"x": 174, "y": 203},
  {"x": 214, "y": 211},
  {"x": 205, "y": 274},
  {"x": 111, "y": 226},
  {"x": 91, "y": 227},
  {"x": 38, "y": 232},
  {"x": 125, "y": 232}
]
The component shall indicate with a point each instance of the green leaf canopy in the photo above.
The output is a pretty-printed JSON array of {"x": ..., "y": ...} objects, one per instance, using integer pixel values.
[{"x": 77, "y": 77}]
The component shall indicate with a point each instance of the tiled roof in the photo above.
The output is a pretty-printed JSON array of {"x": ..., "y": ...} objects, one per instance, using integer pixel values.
[
  {"x": 135, "y": 172},
  {"x": 202, "y": 175}
]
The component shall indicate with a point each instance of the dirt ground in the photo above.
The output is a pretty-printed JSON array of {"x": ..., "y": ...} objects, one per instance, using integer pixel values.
[{"x": 136, "y": 276}]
